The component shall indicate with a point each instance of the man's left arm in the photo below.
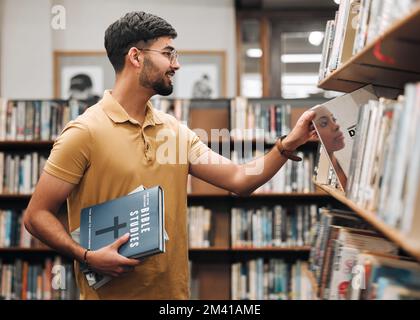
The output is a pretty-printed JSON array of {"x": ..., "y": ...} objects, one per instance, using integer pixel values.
[{"x": 245, "y": 178}]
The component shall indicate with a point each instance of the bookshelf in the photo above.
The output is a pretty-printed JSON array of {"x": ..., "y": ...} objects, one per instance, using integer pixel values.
[
  {"x": 411, "y": 246},
  {"x": 390, "y": 63},
  {"x": 212, "y": 265},
  {"x": 399, "y": 44}
]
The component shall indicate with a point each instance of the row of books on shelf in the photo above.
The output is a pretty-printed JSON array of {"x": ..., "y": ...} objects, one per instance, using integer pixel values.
[
  {"x": 385, "y": 164},
  {"x": 377, "y": 161},
  {"x": 264, "y": 279},
  {"x": 293, "y": 176},
  {"x": 19, "y": 173},
  {"x": 279, "y": 226},
  {"x": 13, "y": 233},
  {"x": 271, "y": 279},
  {"x": 264, "y": 227},
  {"x": 253, "y": 120},
  {"x": 36, "y": 120},
  {"x": 349, "y": 260},
  {"x": 357, "y": 23},
  {"x": 43, "y": 120},
  {"x": 52, "y": 279}
]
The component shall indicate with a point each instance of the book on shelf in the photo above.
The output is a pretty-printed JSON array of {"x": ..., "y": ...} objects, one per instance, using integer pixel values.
[
  {"x": 27, "y": 280},
  {"x": 20, "y": 172},
  {"x": 272, "y": 227},
  {"x": 179, "y": 108},
  {"x": 341, "y": 238},
  {"x": 338, "y": 237},
  {"x": 37, "y": 120},
  {"x": 336, "y": 125},
  {"x": 199, "y": 227},
  {"x": 13, "y": 233},
  {"x": 385, "y": 277},
  {"x": 272, "y": 279},
  {"x": 385, "y": 168},
  {"x": 140, "y": 213},
  {"x": 255, "y": 120},
  {"x": 292, "y": 177},
  {"x": 357, "y": 24}
]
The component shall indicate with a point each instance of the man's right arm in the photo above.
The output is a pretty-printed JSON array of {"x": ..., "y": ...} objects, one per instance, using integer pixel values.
[{"x": 41, "y": 221}]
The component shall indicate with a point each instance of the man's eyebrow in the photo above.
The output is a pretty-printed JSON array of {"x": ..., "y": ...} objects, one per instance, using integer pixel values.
[{"x": 170, "y": 48}]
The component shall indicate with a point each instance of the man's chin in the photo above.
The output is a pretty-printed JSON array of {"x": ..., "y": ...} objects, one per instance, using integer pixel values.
[{"x": 165, "y": 91}]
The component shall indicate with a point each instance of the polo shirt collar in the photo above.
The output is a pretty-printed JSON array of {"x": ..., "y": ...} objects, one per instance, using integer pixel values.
[{"x": 118, "y": 114}]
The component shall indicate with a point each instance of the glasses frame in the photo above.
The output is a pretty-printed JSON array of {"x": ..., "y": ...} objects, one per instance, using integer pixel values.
[{"x": 171, "y": 55}]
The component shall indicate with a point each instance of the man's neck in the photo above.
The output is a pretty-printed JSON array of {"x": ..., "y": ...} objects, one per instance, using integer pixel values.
[{"x": 133, "y": 100}]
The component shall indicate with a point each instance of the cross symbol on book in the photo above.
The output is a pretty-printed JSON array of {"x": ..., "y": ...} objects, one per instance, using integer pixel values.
[{"x": 114, "y": 228}]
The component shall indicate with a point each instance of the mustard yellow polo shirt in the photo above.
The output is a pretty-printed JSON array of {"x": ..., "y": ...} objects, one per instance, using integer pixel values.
[{"x": 106, "y": 154}]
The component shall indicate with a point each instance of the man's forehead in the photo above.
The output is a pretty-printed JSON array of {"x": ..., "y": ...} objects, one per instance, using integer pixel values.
[{"x": 164, "y": 42}]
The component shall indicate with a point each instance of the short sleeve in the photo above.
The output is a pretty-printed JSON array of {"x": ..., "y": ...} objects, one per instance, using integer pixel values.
[
  {"x": 196, "y": 148},
  {"x": 70, "y": 155}
]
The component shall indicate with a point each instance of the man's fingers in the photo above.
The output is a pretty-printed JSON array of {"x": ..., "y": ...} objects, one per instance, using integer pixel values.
[
  {"x": 306, "y": 118},
  {"x": 129, "y": 262},
  {"x": 120, "y": 241}
]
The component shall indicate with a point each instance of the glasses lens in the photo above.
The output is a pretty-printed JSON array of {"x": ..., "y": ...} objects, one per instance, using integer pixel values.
[{"x": 174, "y": 56}]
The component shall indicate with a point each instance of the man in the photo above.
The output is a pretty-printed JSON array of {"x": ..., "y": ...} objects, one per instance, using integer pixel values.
[{"x": 116, "y": 146}]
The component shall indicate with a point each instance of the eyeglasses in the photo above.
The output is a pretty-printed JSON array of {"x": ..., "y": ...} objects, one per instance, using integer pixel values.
[{"x": 171, "y": 55}]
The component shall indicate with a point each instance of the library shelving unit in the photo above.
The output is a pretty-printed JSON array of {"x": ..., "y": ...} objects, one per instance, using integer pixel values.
[
  {"x": 400, "y": 47},
  {"x": 400, "y": 44},
  {"x": 212, "y": 266}
]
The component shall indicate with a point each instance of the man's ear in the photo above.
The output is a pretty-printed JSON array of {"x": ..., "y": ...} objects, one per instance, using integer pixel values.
[{"x": 134, "y": 57}]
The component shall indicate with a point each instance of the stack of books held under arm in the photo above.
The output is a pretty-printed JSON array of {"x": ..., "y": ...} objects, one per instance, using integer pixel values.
[{"x": 140, "y": 213}]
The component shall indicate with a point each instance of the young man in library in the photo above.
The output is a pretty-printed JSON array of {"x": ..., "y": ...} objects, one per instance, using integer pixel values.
[{"x": 114, "y": 147}]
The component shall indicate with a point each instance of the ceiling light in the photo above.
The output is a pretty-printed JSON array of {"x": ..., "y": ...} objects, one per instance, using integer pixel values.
[
  {"x": 315, "y": 38},
  {"x": 254, "y": 53},
  {"x": 301, "y": 58}
]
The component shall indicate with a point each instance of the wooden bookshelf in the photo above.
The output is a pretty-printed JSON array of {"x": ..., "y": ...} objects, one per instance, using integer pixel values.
[
  {"x": 27, "y": 250},
  {"x": 400, "y": 44},
  {"x": 26, "y": 144},
  {"x": 193, "y": 250},
  {"x": 251, "y": 249},
  {"x": 5, "y": 144},
  {"x": 411, "y": 246},
  {"x": 316, "y": 194}
]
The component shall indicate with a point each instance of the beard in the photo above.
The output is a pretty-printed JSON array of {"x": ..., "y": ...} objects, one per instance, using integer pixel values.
[{"x": 158, "y": 85}]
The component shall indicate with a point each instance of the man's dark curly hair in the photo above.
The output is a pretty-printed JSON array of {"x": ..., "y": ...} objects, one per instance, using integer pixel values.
[{"x": 131, "y": 29}]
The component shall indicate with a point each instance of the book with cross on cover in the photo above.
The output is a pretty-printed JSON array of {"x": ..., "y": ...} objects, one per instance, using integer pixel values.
[
  {"x": 141, "y": 214},
  {"x": 119, "y": 228}
]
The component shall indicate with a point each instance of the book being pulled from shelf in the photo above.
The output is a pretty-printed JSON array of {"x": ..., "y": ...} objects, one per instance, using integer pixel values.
[
  {"x": 37, "y": 120},
  {"x": 385, "y": 168},
  {"x": 26, "y": 280},
  {"x": 292, "y": 177},
  {"x": 140, "y": 213},
  {"x": 273, "y": 227},
  {"x": 357, "y": 24},
  {"x": 273, "y": 279},
  {"x": 13, "y": 233},
  {"x": 19, "y": 173},
  {"x": 335, "y": 123},
  {"x": 340, "y": 238}
]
